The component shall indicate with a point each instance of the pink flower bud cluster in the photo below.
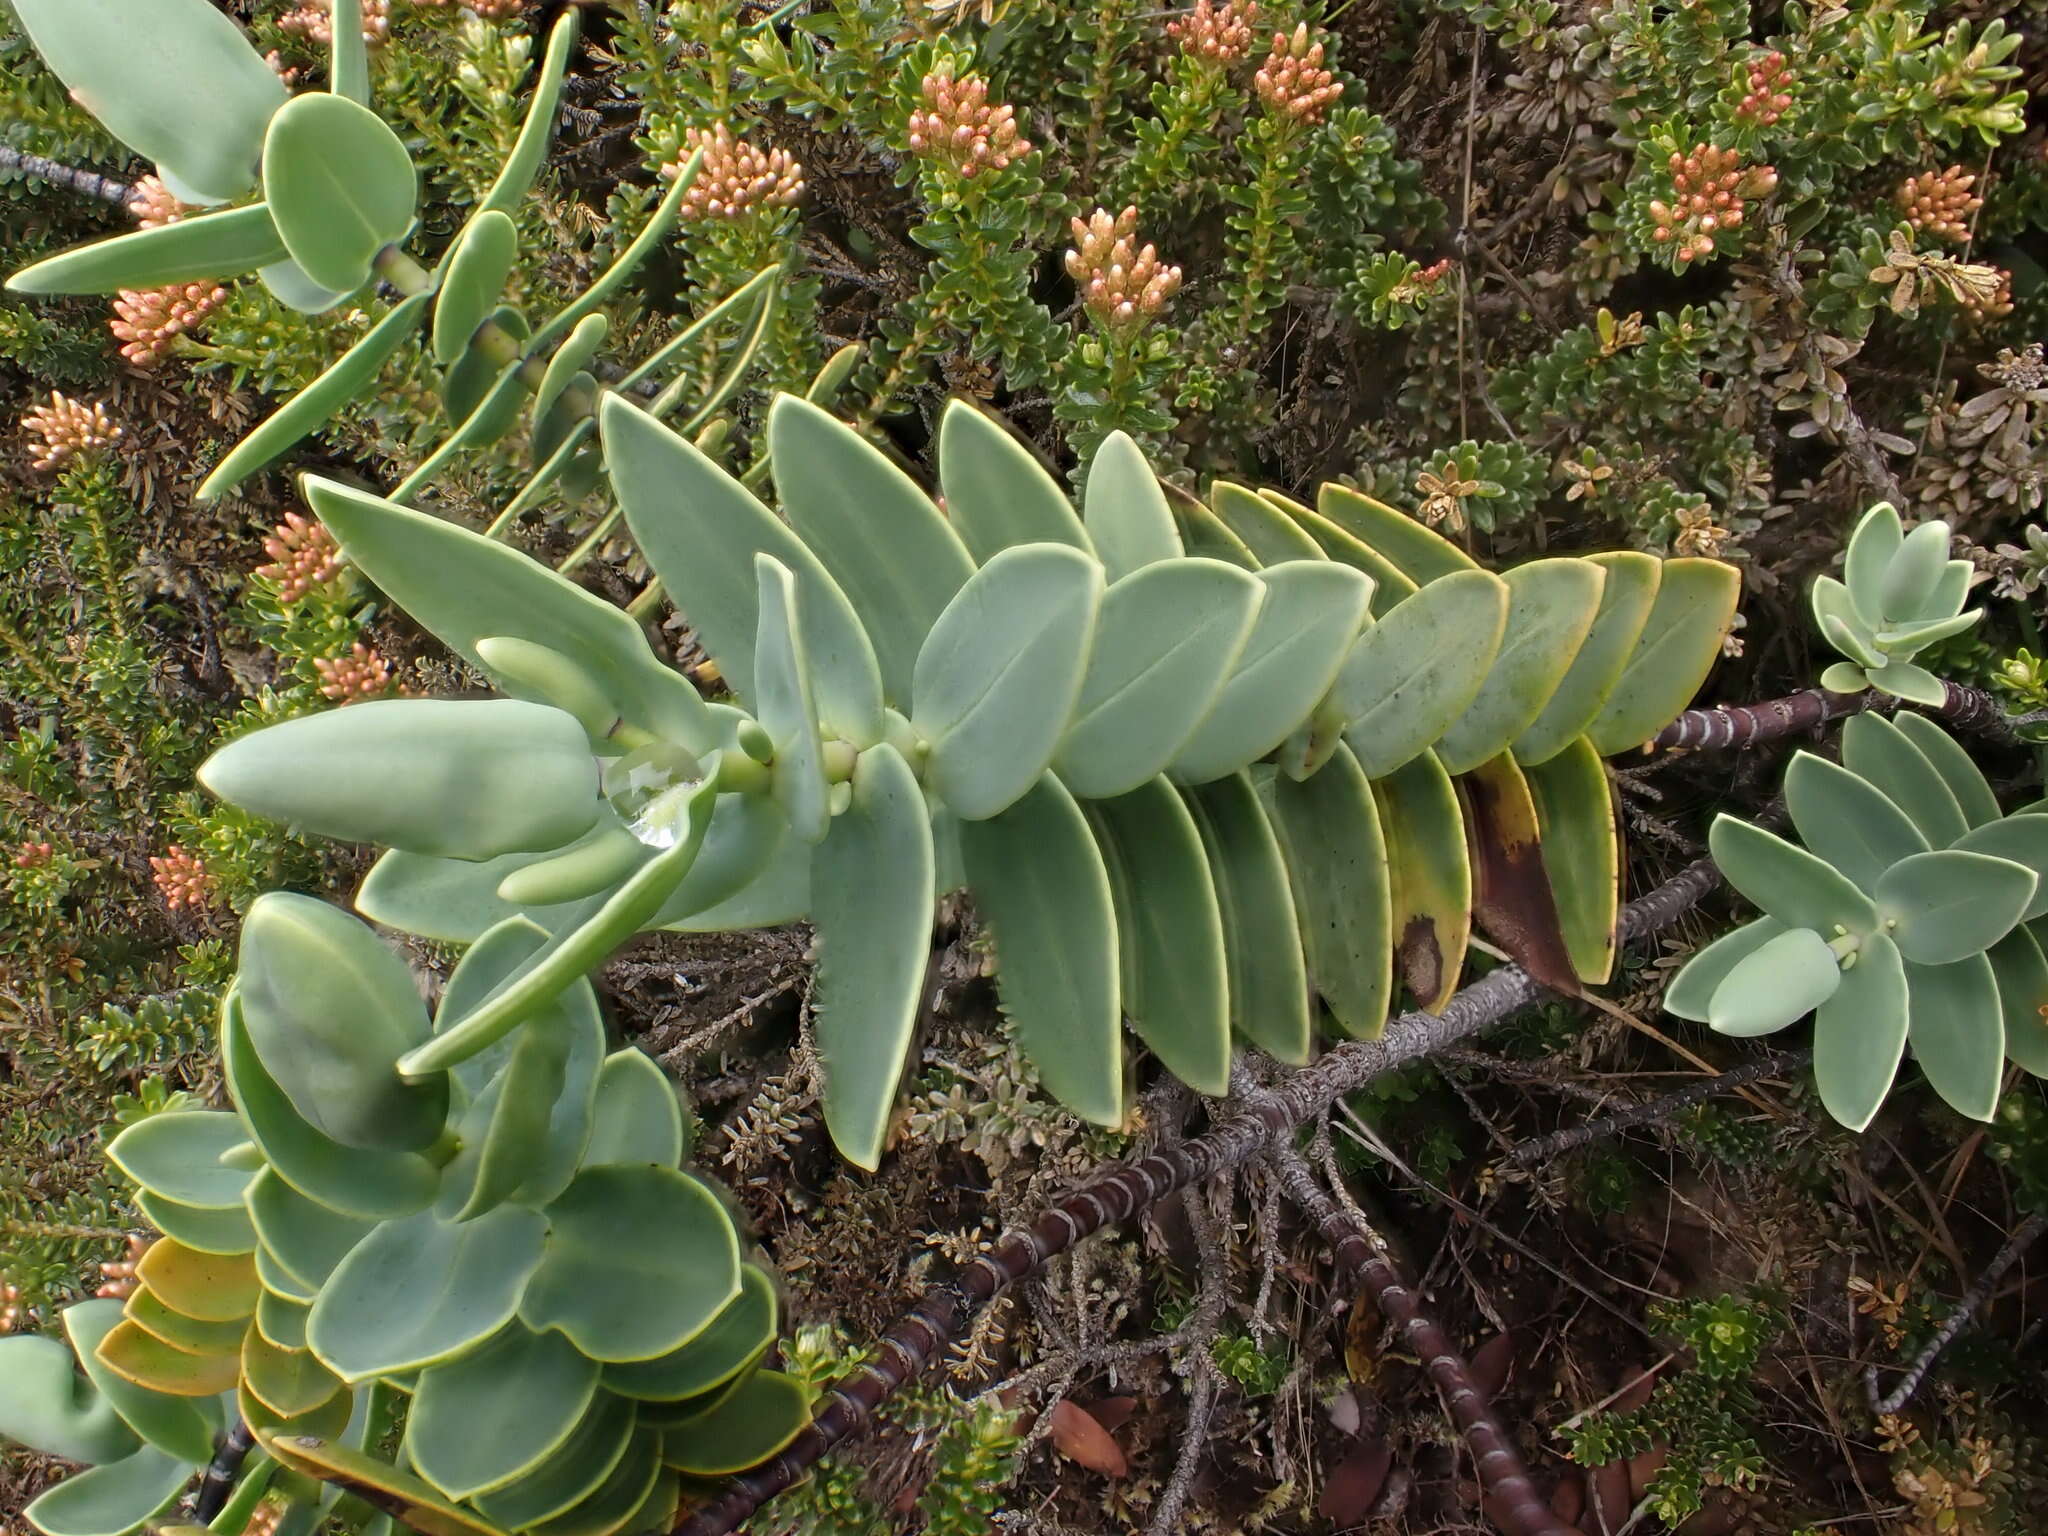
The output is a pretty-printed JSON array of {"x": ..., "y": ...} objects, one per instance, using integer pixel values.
[
  {"x": 490, "y": 10},
  {"x": 303, "y": 556},
  {"x": 1767, "y": 98},
  {"x": 1995, "y": 304},
  {"x": 1940, "y": 203},
  {"x": 183, "y": 878},
  {"x": 33, "y": 855},
  {"x": 1221, "y": 34},
  {"x": 147, "y": 320},
  {"x": 1121, "y": 285},
  {"x": 1709, "y": 186},
  {"x": 10, "y": 1307},
  {"x": 1292, "y": 82},
  {"x": 314, "y": 22},
  {"x": 68, "y": 428},
  {"x": 362, "y": 674},
  {"x": 153, "y": 204},
  {"x": 118, "y": 1279},
  {"x": 958, "y": 124},
  {"x": 735, "y": 176}
]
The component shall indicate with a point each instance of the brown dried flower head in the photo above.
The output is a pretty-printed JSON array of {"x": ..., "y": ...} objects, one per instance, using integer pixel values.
[
  {"x": 1767, "y": 98},
  {"x": 1292, "y": 82},
  {"x": 68, "y": 428},
  {"x": 1444, "y": 490},
  {"x": 118, "y": 1278},
  {"x": 147, "y": 320},
  {"x": 1709, "y": 188},
  {"x": 183, "y": 878},
  {"x": 1221, "y": 34},
  {"x": 303, "y": 556},
  {"x": 959, "y": 125},
  {"x": 153, "y": 203},
  {"x": 1940, "y": 203},
  {"x": 313, "y": 22},
  {"x": 1121, "y": 285},
  {"x": 362, "y": 674},
  {"x": 1698, "y": 534},
  {"x": 735, "y": 176}
]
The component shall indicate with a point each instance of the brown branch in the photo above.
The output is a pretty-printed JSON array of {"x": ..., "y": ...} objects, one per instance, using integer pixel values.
[
  {"x": 1746, "y": 725},
  {"x": 1541, "y": 1149},
  {"x": 70, "y": 177},
  {"x": 1516, "y": 1504},
  {"x": 1119, "y": 1192},
  {"x": 2022, "y": 1239}
]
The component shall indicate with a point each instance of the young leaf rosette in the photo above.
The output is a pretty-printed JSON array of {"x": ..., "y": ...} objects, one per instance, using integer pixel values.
[{"x": 1899, "y": 594}]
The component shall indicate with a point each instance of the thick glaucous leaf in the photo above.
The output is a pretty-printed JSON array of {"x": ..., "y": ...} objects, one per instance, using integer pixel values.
[
  {"x": 1914, "y": 684},
  {"x": 478, "y": 375},
  {"x": 1269, "y": 998},
  {"x": 1875, "y": 749},
  {"x": 464, "y": 587},
  {"x": 347, "y": 377},
  {"x": 340, "y": 187},
  {"x": 1042, "y": 893},
  {"x": 281, "y": 1320},
  {"x": 277, "y": 1281},
  {"x": 1943, "y": 907},
  {"x": 625, "y": 1488},
  {"x": 214, "y": 245},
  {"x": 784, "y": 705},
  {"x": 160, "y": 1368},
  {"x": 1512, "y": 900},
  {"x": 1847, "y": 820},
  {"x": 1174, "y": 980},
  {"x": 1859, "y": 1034},
  {"x": 1328, "y": 826},
  {"x": 1832, "y": 605},
  {"x": 1900, "y": 641},
  {"x": 289, "y": 1382},
  {"x": 147, "y": 1311},
  {"x": 305, "y": 1238},
  {"x": 638, "y": 1118},
  {"x": 604, "y": 858},
  {"x": 49, "y": 1407},
  {"x": 572, "y": 1472},
  {"x": 1300, "y": 638},
  {"x": 764, "y": 1415},
  {"x": 330, "y": 1009},
  {"x": 1579, "y": 822},
  {"x": 997, "y": 492},
  {"x": 422, "y": 1290},
  {"x": 1631, "y": 585},
  {"x": 1416, "y": 670},
  {"x": 177, "y": 1155},
  {"x": 173, "y": 1424},
  {"x": 1844, "y": 677},
  {"x": 871, "y": 891},
  {"x": 174, "y": 80},
  {"x": 1125, "y": 511},
  {"x": 526, "y": 1128},
  {"x": 1679, "y": 644},
  {"x": 1785, "y": 880},
  {"x": 1913, "y": 573},
  {"x": 472, "y": 277},
  {"x": 1166, "y": 637},
  {"x": 413, "y": 1505},
  {"x": 638, "y": 1261},
  {"x": 999, "y": 675},
  {"x": 1390, "y": 586},
  {"x": 898, "y": 560},
  {"x": 1852, "y": 642},
  {"x": 515, "y": 177},
  {"x": 1419, "y": 553},
  {"x": 2022, "y": 974},
  {"x": 210, "y": 1231},
  {"x": 1868, "y": 554},
  {"x": 2024, "y": 841},
  {"x": 1268, "y": 532},
  {"x": 701, "y": 531},
  {"x": 1957, "y": 1030},
  {"x": 569, "y": 364},
  {"x": 290, "y": 286},
  {"x": 479, "y": 1422},
  {"x": 114, "y": 1499},
  {"x": 1780, "y": 981},
  {"x": 462, "y": 778},
  {"x": 348, "y": 55},
  {"x": 212, "y": 1287},
  {"x": 729, "y": 1344},
  {"x": 1432, "y": 875},
  {"x": 1206, "y": 536},
  {"x": 1551, "y": 607},
  {"x": 1946, "y": 756},
  {"x": 1691, "y": 993}
]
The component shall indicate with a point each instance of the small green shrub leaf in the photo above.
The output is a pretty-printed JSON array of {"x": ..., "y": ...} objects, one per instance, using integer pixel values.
[
  {"x": 515, "y": 178},
  {"x": 1859, "y": 1034},
  {"x": 340, "y": 187}
]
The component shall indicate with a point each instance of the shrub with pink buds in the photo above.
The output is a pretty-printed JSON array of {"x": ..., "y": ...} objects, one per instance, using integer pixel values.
[
  {"x": 314, "y": 22},
  {"x": 1940, "y": 203},
  {"x": 1121, "y": 285},
  {"x": 153, "y": 203},
  {"x": 68, "y": 428},
  {"x": 184, "y": 879},
  {"x": 118, "y": 1279},
  {"x": 959, "y": 125},
  {"x": 1768, "y": 97},
  {"x": 735, "y": 176},
  {"x": 148, "y": 320},
  {"x": 1220, "y": 34},
  {"x": 1709, "y": 188},
  {"x": 362, "y": 674},
  {"x": 1293, "y": 82},
  {"x": 303, "y": 556}
]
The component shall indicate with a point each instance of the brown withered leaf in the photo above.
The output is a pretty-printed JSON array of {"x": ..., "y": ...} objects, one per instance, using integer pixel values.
[
  {"x": 1354, "y": 1484},
  {"x": 1362, "y": 1330},
  {"x": 1492, "y": 1364},
  {"x": 1511, "y": 895},
  {"x": 1079, "y": 1436}
]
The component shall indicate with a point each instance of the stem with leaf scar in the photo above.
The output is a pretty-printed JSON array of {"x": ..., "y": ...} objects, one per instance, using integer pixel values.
[
  {"x": 1254, "y": 1124},
  {"x": 1746, "y": 725}
]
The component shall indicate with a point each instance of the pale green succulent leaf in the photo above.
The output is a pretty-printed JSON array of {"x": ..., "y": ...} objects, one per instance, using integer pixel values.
[
  {"x": 1945, "y": 906},
  {"x": 768, "y": 1411},
  {"x": 112, "y": 1499},
  {"x": 415, "y": 1505},
  {"x": 1416, "y": 670},
  {"x": 1957, "y": 1031},
  {"x": 47, "y": 1406},
  {"x": 1844, "y": 677},
  {"x": 1125, "y": 511},
  {"x": 1167, "y": 636},
  {"x": 1904, "y": 640},
  {"x": 1875, "y": 749},
  {"x": 999, "y": 675},
  {"x": 1431, "y": 865},
  {"x": 156, "y": 1317},
  {"x": 1859, "y": 1034},
  {"x": 212, "y": 245},
  {"x": 290, "y": 286},
  {"x": 1780, "y": 981},
  {"x": 300, "y": 1235},
  {"x": 1390, "y": 587},
  {"x": 625, "y": 1489},
  {"x": 1847, "y": 821},
  {"x": 1267, "y": 969},
  {"x": 1301, "y": 636},
  {"x": 871, "y": 893},
  {"x": 2022, "y": 840},
  {"x": 1268, "y": 532},
  {"x": 997, "y": 493},
  {"x": 1831, "y": 600},
  {"x": 1946, "y": 755},
  {"x": 1625, "y": 601},
  {"x": 1551, "y": 607},
  {"x": 731, "y": 1343},
  {"x": 282, "y": 1321},
  {"x": 1911, "y": 682},
  {"x": 1419, "y": 553},
  {"x": 783, "y": 703},
  {"x": 1680, "y": 642},
  {"x": 1042, "y": 891},
  {"x": 1874, "y": 541},
  {"x": 175, "y": 80},
  {"x": 177, "y": 1155},
  {"x": 638, "y": 1118},
  {"x": 484, "y": 1420},
  {"x": 1792, "y": 885},
  {"x": 1913, "y": 574},
  {"x": 473, "y": 276},
  {"x": 1952, "y": 591},
  {"x": 1579, "y": 826},
  {"x": 340, "y": 187},
  {"x": 176, "y": 1426},
  {"x": 289, "y": 1382},
  {"x": 2021, "y": 971},
  {"x": 210, "y": 1231},
  {"x": 575, "y": 1469}
]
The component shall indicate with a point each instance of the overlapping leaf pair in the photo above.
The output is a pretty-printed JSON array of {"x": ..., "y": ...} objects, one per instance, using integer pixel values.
[
  {"x": 1188, "y": 776},
  {"x": 1912, "y": 914},
  {"x": 1900, "y": 594},
  {"x": 512, "y": 1244}
]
